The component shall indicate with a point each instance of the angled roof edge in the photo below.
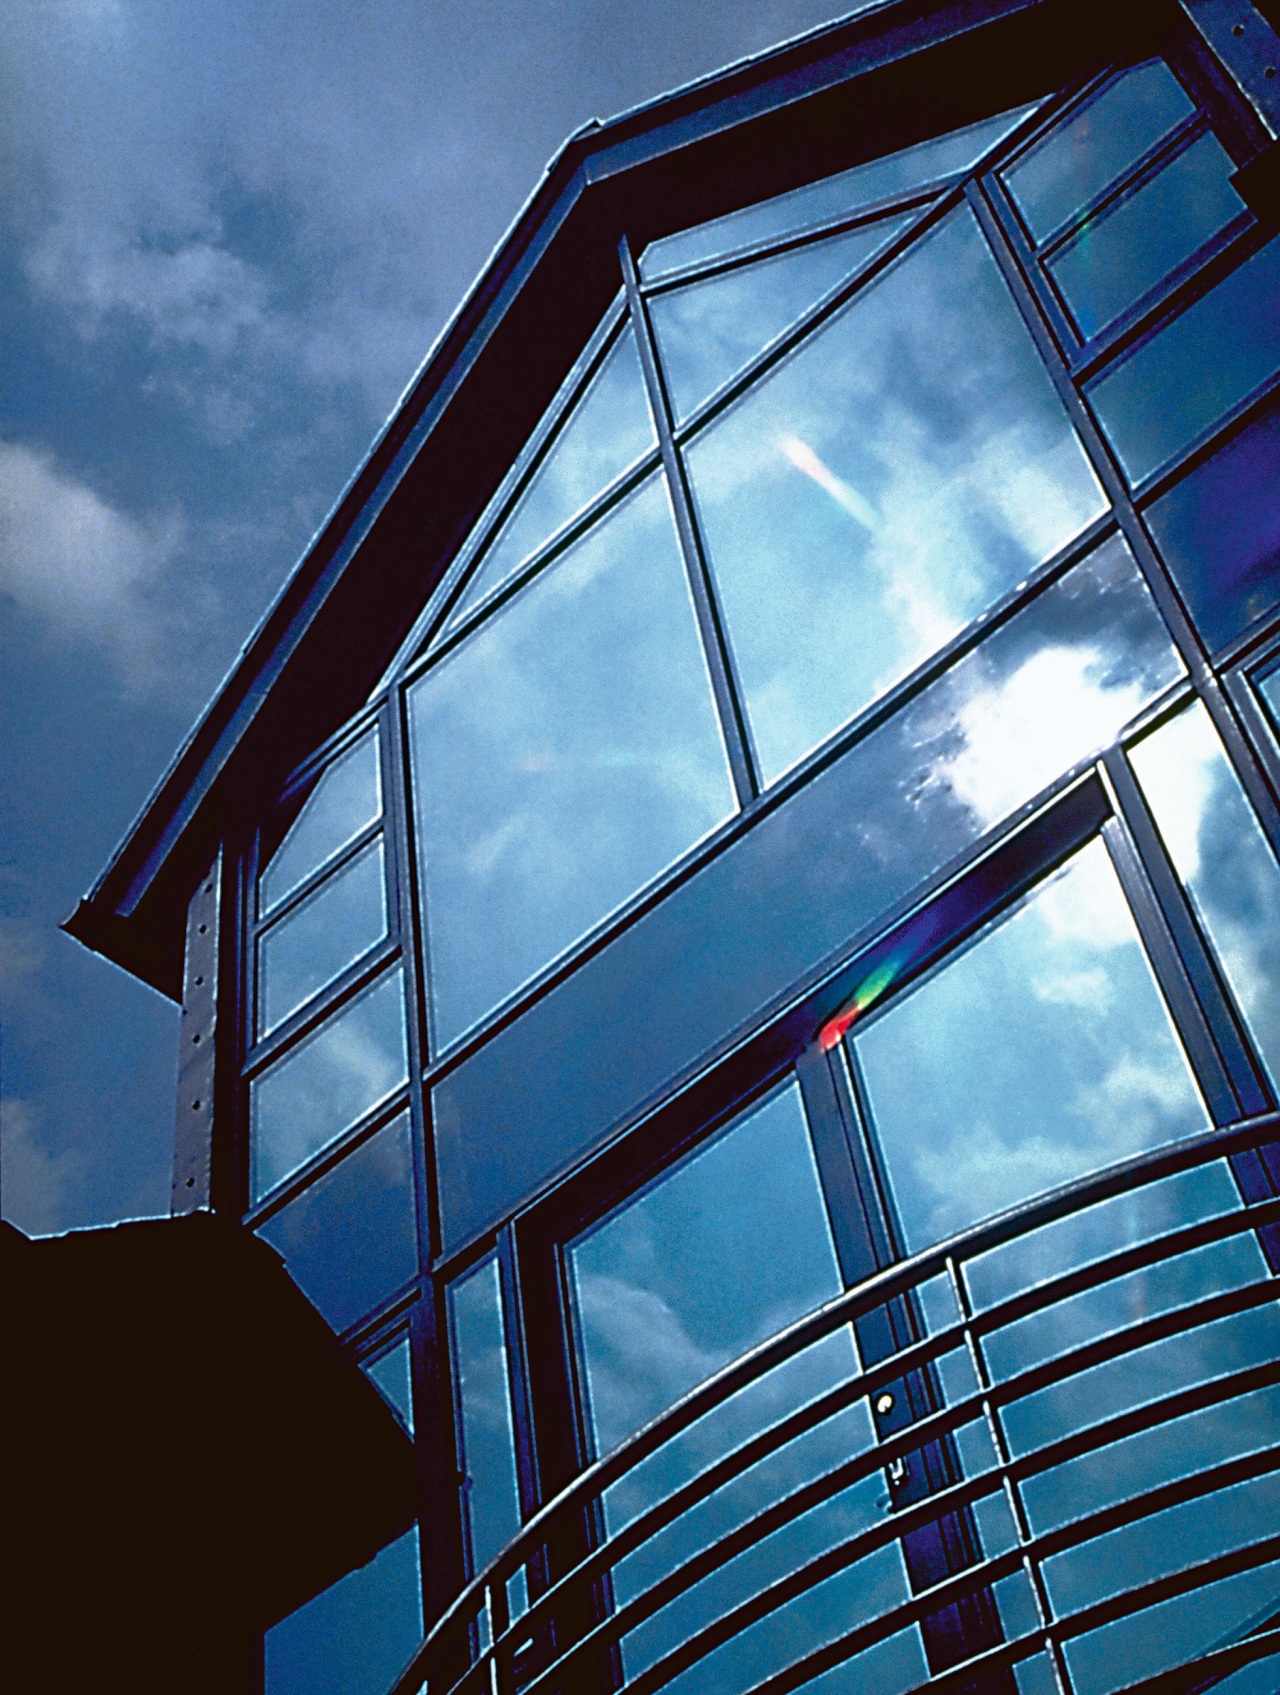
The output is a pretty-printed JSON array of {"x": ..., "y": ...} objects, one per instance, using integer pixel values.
[{"x": 135, "y": 912}]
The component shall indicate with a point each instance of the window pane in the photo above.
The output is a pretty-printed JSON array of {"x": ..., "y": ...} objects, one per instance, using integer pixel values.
[
  {"x": 1223, "y": 858},
  {"x": 1195, "y": 369},
  {"x": 328, "y": 1082},
  {"x": 831, "y": 197},
  {"x": 346, "y": 800},
  {"x": 903, "y": 470},
  {"x": 1135, "y": 244},
  {"x": 1095, "y": 146},
  {"x": 721, "y": 1253},
  {"x": 393, "y": 1374},
  {"x": 563, "y": 756},
  {"x": 350, "y": 1239},
  {"x": 1039, "y": 1054},
  {"x": 609, "y": 429},
  {"x": 708, "y": 331},
  {"x": 318, "y": 940},
  {"x": 491, "y": 1496},
  {"x": 1219, "y": 532},
  {"x": 1048, "y": 689},
  {"x": 357, "y": 1636}
]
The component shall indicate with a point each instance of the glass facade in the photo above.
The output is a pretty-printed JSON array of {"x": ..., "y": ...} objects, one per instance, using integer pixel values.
[{"x": 756, "y": 1036}]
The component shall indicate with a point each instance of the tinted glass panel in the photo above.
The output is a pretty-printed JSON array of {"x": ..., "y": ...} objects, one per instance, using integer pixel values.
[
  {"x": 716, "y": 1256},
  {"x": 1076, "y": 162},
  {"x": 563, "y": 756},
  {"x": 831, "y": 198},
  {"x": 708, "y": 331},
  {"x": 346, "y": 800},
  {"x": 1045, "y": 691},
  {"x": 1222, "y": 856},
  {"x": 1219, "y": 532},
  {"x": 356, "y": 1637},
  {"x": 318, "y": 940},
  {"x": 1042, "y": 1052},
  {"x": 491, "y": 1497},
  {"x": 350, "y": 1238},
  {"x": 908, "y": 466},
  {"x": 608, "y": 429},
  {"x": 1134, "y": 244},
  {"x": 393, "y": 1374},
  {"x": 1196, "y": 369},
  {"x": 329, "y": 1081}
]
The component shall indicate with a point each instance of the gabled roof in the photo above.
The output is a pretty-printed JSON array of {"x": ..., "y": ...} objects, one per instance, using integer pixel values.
[{"x": 894, "y": 75}]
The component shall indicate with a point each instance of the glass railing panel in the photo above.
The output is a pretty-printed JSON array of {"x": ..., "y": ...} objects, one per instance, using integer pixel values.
[
  {"x": 708, "y": 331},
  {"x": 1194, "y": 370},
  {"x": 830, "y": 198},
  {"x": 1095, "y": 146},
  {"x": 1126, "y": 250},
  {"x": 907, "y": 466},
  {"x": 346, "y": 799}
]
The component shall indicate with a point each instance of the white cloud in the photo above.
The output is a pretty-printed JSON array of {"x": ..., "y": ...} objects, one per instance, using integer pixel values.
[
  {"x": 35, "y": 1183},
  {"x": 86, "y": 568}
]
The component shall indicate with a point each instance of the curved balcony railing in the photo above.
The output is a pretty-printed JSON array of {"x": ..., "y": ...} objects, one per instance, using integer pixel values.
[{"x": 1064, "y": 1474}]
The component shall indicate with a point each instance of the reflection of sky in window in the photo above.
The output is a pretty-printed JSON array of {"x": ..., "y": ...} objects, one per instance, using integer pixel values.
[
  {"x": 830, "y": 198},
  {"x": 608, "y": 429},
  {"x": 347, "y": 798},
  {"x": 1077, "y": 161},
  {"x": 321, "y": 1087},
  {"x": 710, "y": 330},
  {"x": 1042, "y": 1052},
  {"x": 484, "y": 1404},
  {"x": 321, "y": 937},
  {"x": 909, "y": 465},
  {"x": 1222, "y": 856},
  {"x": 566, "y": 754}
]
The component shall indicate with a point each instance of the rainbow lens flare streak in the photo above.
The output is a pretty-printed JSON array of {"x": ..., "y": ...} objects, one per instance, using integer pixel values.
[{"x": 865, "y": 996}]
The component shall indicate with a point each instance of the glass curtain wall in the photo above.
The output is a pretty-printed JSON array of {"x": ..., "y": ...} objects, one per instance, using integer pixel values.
[{"x": 949, "y": 479}]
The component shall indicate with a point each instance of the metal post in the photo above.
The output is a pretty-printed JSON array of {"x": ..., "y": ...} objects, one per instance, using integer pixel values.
[{"x": 193, "y": 1133}]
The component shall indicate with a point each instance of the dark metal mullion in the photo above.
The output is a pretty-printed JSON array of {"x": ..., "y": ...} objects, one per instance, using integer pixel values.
[
  {"x": 517, "y": 1373},
  {"x": 838, "y": 1167},
  {"x": 719, "y": 660},
  {"x": 1182, "y": 959}
]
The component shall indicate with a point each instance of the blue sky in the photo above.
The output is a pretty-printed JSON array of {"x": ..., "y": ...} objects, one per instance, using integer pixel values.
[{"x": 230, "y": 233}]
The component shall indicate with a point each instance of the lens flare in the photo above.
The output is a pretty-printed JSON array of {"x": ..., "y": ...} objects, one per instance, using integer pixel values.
[
  {"x": 865, "y": 996},
  {"x": 848, "y": 499}
]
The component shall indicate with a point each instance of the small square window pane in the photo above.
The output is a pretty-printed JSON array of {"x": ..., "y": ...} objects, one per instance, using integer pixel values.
[
  {"x": 356, "y": 1637},
  {"x": 563, "y": 756},
  {"x": 1221, "y": 854},
  {"x": 906, "y": 467},
  {"x": 830, "y": 198},
  {"x": 1041, "y": 1053},
  {"x": 346, "y": 799},
  {"x": 1195, "y": 369},
  {"x": 350, "y": 1239},
  {"x": 1133, "y": 245},
  {"x": 1095, "y": 146},
  {"x": 1218, "y": 531},
  {"x": 327, "y": 1083},
  {"x": 317, "y": 941}
]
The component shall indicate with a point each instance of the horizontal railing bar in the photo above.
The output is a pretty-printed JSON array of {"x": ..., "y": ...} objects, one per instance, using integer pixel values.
[
  {"x": 876, "y": 1291},
  {"x": 1210, "y": 1667},
  {"x": 1215, "y": 1391},
  {"x": 1083, "y": 1279},
  {"x": 1116, "y": 1343},
  {"x": 960, "y": 1677},
  {"x": 1137, "y": 1600}
]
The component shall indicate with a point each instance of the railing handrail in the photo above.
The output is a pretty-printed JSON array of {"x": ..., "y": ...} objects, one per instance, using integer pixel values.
[{"x": 880, "y": 1288}]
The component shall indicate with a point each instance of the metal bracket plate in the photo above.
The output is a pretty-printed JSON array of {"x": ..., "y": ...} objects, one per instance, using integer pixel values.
[
  {"x": 193, "y": 1132},
  {"x": 1248, "y": 49}
]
